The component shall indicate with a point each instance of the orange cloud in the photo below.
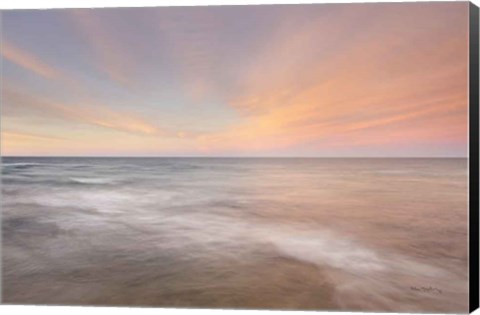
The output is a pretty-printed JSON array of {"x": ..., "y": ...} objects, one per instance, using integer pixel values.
[
  {"x": 27, "y": 136},
  {"x": 20, "y": 143},
  {"x": 82, "y": 113},
  {"x": 28, "y": 61},
  {"x": 347, "y": 77},
  {"x": 387, "y": 76}
]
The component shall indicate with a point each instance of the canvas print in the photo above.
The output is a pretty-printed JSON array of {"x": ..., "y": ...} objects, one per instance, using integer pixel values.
[{"x": 293, "y": 157}]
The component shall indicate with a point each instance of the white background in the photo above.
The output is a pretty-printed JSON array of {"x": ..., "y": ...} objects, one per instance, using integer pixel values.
[{"x": 54, "y": 310}]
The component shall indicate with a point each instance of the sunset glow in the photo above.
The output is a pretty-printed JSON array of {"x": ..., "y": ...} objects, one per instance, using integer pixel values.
[{"x": 291, "y": 80}]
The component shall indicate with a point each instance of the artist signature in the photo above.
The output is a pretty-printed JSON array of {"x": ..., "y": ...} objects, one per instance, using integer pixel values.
[{"x": 428, "y": 289}]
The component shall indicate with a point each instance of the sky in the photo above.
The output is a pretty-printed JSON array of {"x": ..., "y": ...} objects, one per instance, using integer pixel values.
[{"x": 321, "y": 80}]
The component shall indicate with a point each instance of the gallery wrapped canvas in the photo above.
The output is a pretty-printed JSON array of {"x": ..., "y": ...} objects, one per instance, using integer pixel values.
[{"x": 291, "y": 157}]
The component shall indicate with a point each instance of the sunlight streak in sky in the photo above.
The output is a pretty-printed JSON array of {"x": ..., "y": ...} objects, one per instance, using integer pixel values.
[{"x": 286, "y": 80}]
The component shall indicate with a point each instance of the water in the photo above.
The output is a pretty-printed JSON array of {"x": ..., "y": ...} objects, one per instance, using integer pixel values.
[{"x": 331, "y": 234}]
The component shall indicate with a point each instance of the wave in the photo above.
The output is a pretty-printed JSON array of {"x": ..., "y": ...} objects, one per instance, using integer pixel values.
[
  {"x": 97, "y": 181},
  {"x": 22, "y": 164},
  {"x": 323, "y": 249},
  {"x": 336, "y": 251}
]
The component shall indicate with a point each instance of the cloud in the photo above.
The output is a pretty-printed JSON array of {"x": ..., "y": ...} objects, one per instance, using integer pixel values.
[
  {"x": 21, "y": 143},
  {"x": 21, "y": 136},
  {"x": 326, "y": 78},
  {"x": 191, "y": 36},
  {"x": 96, "y": 115},
  {"x": 112, "y": 59},
  {"x": 28, "y": 61},
  {"x": 299, "y": 91}
]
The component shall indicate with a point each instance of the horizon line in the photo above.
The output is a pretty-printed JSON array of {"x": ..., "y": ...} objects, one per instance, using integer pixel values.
[{"x": 235, "y": 157}]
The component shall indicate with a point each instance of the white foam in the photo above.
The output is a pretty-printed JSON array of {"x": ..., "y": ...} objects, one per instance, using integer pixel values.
[
  {"x": 102, "y": 200},
  {"x": 86, "y": 180},
  {"x": 326, "y": 249}
]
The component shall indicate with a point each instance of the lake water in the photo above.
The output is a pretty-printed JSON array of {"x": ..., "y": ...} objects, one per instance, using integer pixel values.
[{"x": 337, "y": 234}]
